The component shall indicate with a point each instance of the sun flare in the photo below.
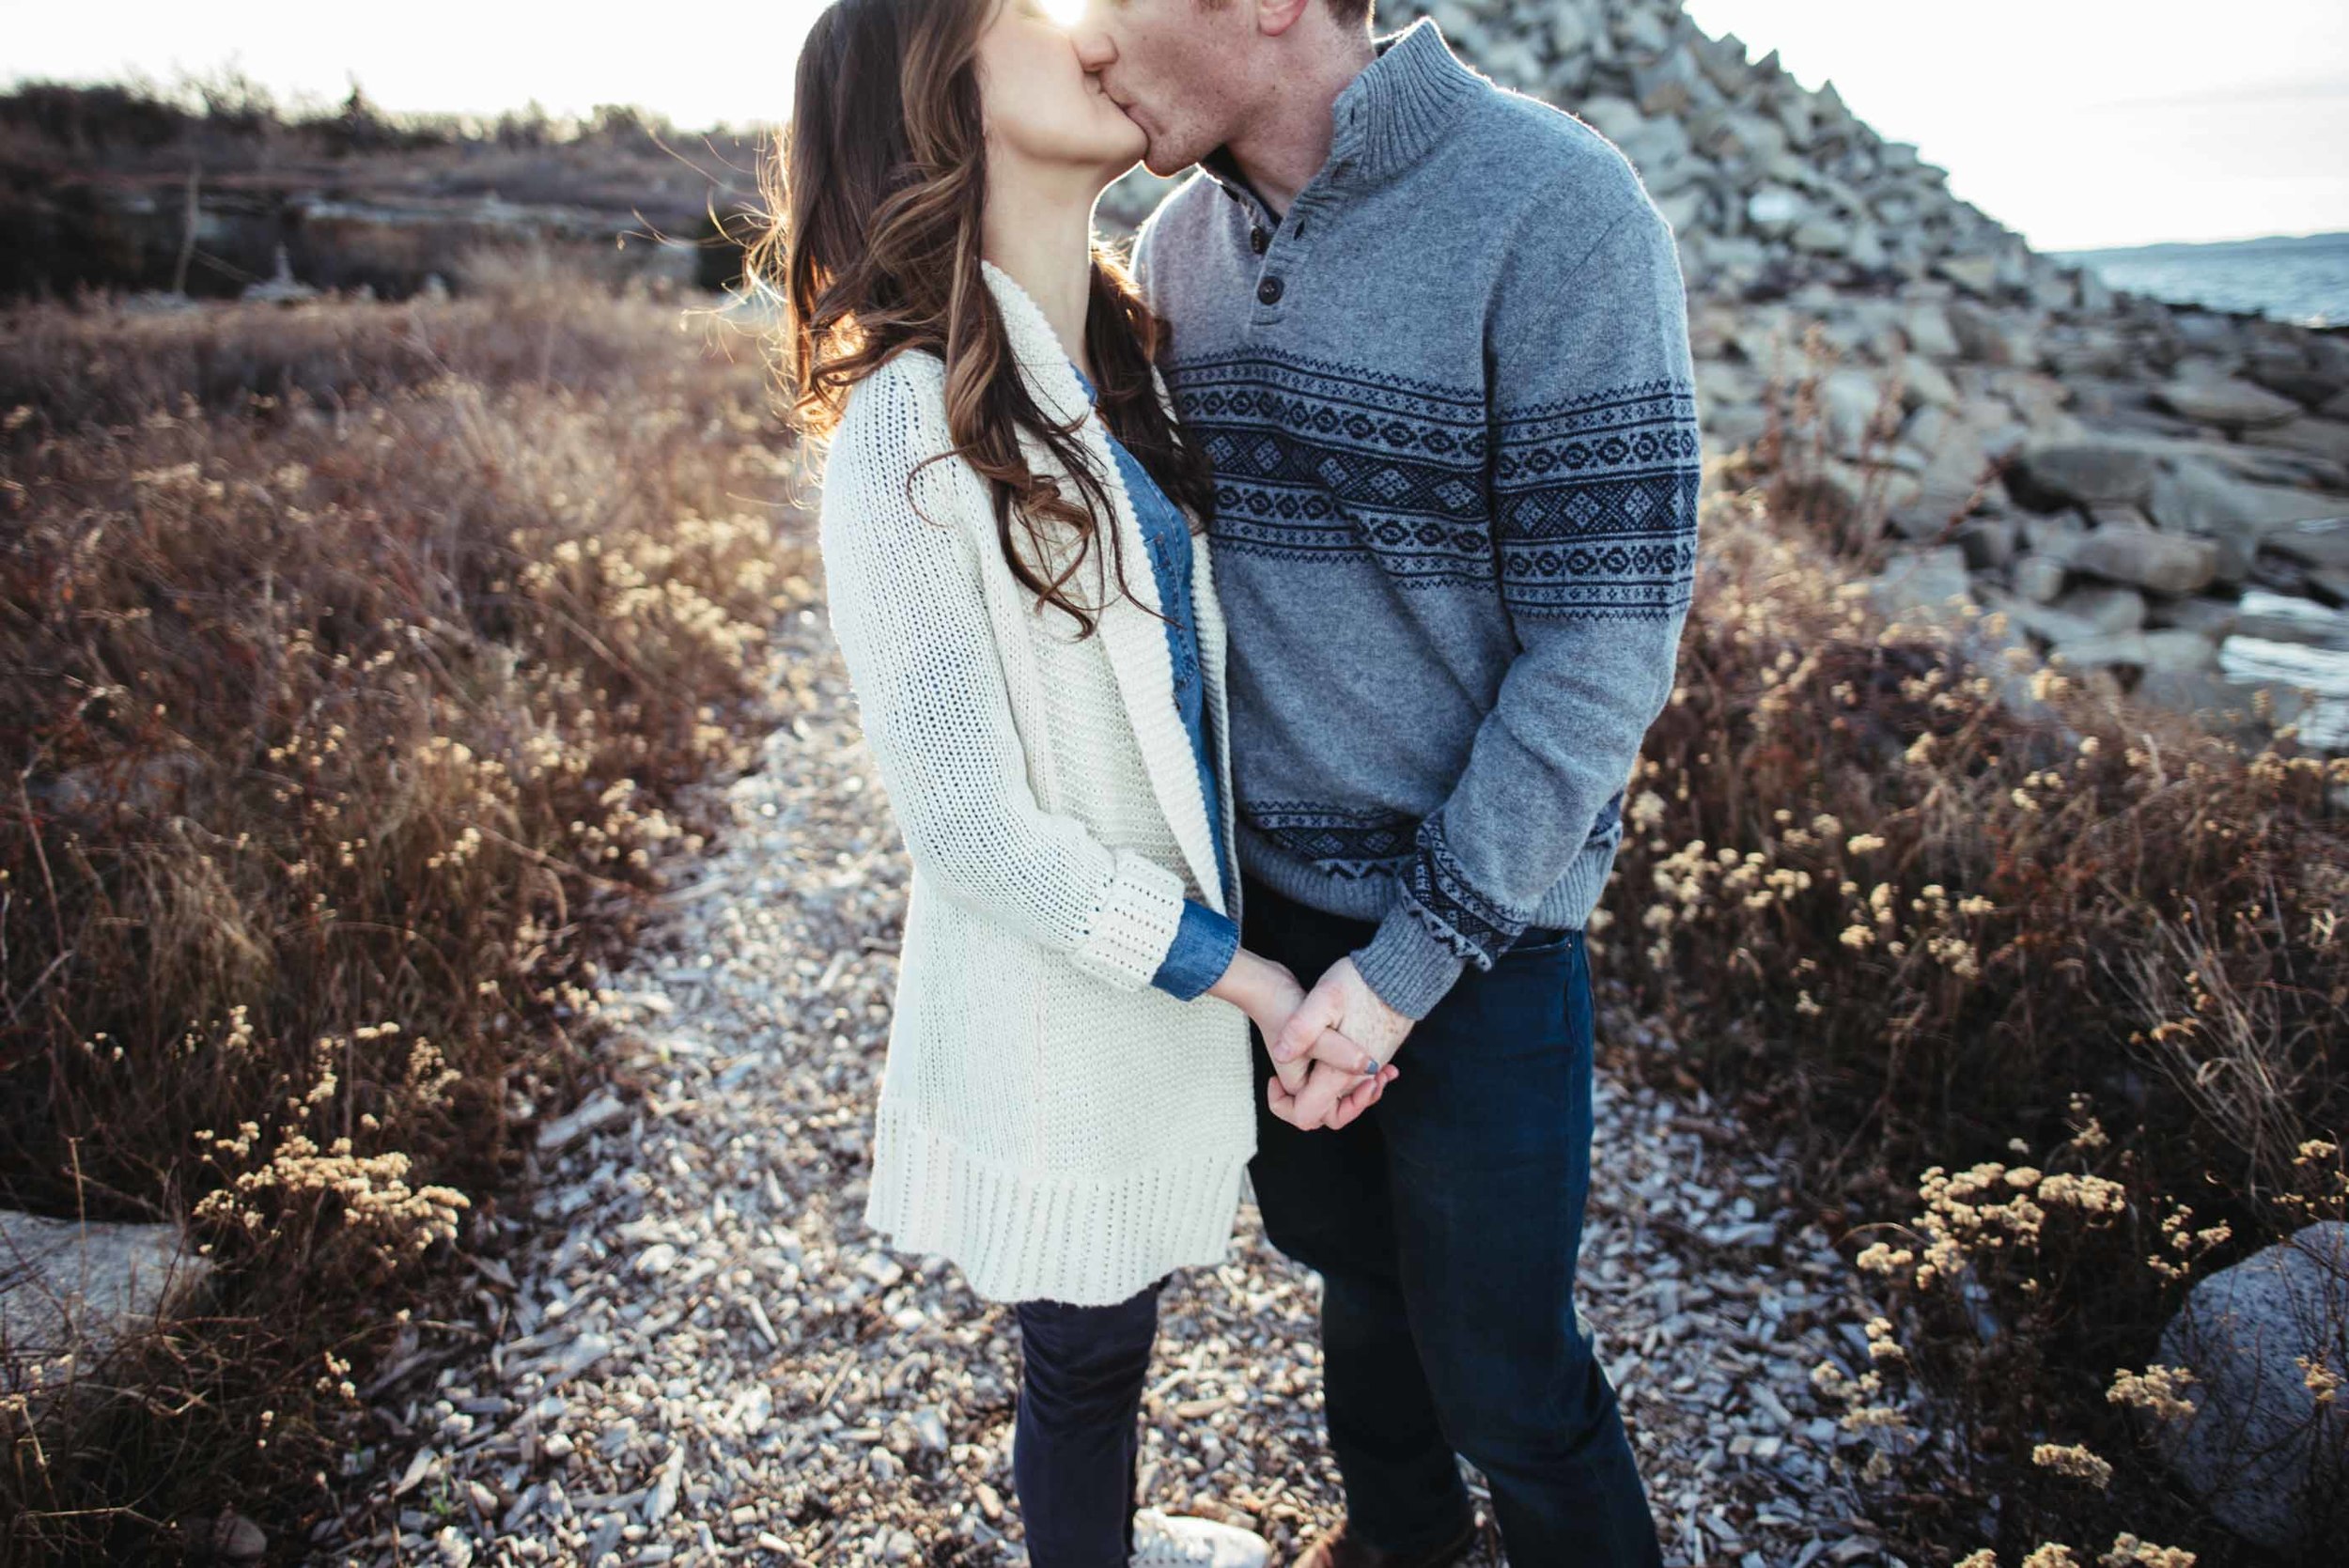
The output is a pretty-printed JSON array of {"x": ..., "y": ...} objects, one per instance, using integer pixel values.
[{"x": 1066, "y": 12}]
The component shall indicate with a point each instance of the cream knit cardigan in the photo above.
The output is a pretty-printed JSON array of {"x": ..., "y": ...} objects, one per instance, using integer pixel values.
[{"x": 1051, "y": 1121}]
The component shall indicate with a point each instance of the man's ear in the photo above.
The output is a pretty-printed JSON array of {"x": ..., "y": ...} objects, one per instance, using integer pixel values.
[{"x": 1275, "y": 17}]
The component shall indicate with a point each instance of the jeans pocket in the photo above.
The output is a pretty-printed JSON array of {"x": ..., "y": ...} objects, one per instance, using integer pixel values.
[{"x": 1537, "y": 940}]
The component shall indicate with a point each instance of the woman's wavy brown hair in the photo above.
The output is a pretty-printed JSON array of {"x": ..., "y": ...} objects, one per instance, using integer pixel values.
[{"x": 874, "y": 248}]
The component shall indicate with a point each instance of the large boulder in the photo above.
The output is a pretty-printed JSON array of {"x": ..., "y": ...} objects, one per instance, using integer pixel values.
[
  {"x": 1976, "y": 274},
  {"x": 2263, "y": 1452},
  {"x": 2322, "y": 673},
  {"x": 2213, "y": 617},
  {"x": 2079, "y": 473},
  {"x": 2103, "y": 606},
  {"x": 2101, "y": 650},
  {"x": 2194, "y": 496},
  {"x": 1929, "y": 585},
  {"x": 2284, "y": 618},
  {"x": 1991, "y": 336},
  {"x": 2166, "y": 562},
  {"x": 2235, "y": 404},
  {"x": 2321, "y": 542},
  {"x": 72, "y": 1290},
  {"x": 1927, "y": 328},
  {"x": 2322, "y": 438}
]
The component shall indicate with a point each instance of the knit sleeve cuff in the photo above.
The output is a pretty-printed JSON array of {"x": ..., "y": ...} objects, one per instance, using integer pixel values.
[
  {"x": 1205, "y": 943},
  {"x": 1407, "y": 965}
]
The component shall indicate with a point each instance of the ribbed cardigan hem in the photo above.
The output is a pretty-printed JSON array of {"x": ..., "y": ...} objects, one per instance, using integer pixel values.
[{"x": 1080, "y": 1238}]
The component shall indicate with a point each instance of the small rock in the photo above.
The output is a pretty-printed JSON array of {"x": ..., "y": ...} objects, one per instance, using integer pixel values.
[
  {"x": 662, "y": 1501},
  {"x": 2038, "y": 578},
  {"x": 1989, "y": 543},
  {"x": 2103, "y": 607},
  {"x": 2259, "y": 1449},
  {"x": 930, "y": 1428},
  {"x": 599, "y": 1110},
  {"x": 237, "y": 1537}
]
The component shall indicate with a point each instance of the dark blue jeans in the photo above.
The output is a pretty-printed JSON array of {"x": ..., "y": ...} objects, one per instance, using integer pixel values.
[
  {"x": 1444, "y": 1224},
  {"x": 1077, "y": 1436}
]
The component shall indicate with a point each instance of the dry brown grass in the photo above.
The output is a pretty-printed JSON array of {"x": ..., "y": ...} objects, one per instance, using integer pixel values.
[
  {"x": 352, "y": 659},
  {"x": 2077, "y": 953}
]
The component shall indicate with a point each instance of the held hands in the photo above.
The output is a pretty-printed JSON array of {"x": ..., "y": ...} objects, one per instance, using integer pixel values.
[
  {"x": 1327, "y": 1065},
  {"x": 1342, "y": 1007}
]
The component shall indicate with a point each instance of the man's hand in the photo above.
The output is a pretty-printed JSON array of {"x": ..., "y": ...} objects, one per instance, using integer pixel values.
[
  {"x": 1268, "y": 992},
  {"x": 1344, "y": 1001}
]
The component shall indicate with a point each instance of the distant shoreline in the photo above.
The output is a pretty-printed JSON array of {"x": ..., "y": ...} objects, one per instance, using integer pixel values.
[
  {"x": 2202, "y": 247},
  {"x": 2300, "y": 278}
]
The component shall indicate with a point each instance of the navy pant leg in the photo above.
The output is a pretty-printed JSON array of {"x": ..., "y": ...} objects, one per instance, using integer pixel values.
[
  {"x": 1470, "y": 1175},
  {"x": 1076, "y": 1440},
  {"x": 1490, "y": 1162}
]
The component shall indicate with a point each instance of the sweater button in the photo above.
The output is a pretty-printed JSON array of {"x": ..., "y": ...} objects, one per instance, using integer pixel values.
[
  {"x": 1269, "y": 291},
  {"x": 1257, "y": 238}
]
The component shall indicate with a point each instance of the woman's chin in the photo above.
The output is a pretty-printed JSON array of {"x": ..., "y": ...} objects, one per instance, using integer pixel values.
[
  {"x": 1121, "y": 154},
  {"x": 1124, "y": 140}
]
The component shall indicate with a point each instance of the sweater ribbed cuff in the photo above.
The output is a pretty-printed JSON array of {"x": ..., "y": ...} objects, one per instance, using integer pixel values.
[{"x": 1407, "y": 965}]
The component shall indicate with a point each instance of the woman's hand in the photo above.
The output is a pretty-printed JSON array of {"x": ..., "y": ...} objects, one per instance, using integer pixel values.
[{"x": 1268, "y": 992}]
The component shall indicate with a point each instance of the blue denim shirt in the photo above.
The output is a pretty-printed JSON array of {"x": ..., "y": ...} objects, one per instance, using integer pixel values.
[{"x": 1206, "y": 940}]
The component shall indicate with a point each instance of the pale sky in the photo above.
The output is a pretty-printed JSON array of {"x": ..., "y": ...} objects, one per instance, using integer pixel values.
[
  {"x": 2078, "y": 122},
  {"x": 2092, "y": 122}
]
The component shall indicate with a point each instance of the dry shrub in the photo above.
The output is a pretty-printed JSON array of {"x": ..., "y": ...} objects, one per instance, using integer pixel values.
[
  {"x": 524, "y": 314},
  {"x": 342, "y": 716},
  {"x": 2075, "y": 961}
]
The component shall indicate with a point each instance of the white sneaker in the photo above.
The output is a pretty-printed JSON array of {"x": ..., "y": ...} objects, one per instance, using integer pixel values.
[{"x": 1179, "y": 1541}]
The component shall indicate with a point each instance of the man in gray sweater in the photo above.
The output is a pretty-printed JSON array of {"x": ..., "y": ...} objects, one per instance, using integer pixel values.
[{"x": 1432, "y": 337}]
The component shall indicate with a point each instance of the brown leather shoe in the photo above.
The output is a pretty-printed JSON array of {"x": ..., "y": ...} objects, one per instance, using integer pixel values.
[{"x": 1337, "y": 1549}]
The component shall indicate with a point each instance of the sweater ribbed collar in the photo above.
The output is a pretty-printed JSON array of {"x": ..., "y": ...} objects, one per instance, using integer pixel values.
[{"x": 1389, "y": 117}]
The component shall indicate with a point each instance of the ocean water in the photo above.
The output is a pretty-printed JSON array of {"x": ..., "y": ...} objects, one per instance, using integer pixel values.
[{"x": 2303, "y": 278}]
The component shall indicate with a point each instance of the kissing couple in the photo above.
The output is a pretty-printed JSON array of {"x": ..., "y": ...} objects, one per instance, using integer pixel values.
[{"x": 1254, "y": 640}]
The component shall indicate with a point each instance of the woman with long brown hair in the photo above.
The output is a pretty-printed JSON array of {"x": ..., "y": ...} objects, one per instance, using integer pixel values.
[{"x": 1037, "y": 655}]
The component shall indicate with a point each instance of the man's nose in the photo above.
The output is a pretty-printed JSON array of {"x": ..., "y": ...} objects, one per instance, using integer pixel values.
[{"x": 1094, "y": 49}]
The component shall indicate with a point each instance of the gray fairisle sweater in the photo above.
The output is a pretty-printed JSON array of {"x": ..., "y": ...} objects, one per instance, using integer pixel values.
[{"x": 1450, "y": 404}]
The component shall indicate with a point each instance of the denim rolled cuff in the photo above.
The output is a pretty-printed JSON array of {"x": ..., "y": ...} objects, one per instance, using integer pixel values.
[
  {"x": 1407, "y": 965},
  {"x": 1204, "y": 943}
]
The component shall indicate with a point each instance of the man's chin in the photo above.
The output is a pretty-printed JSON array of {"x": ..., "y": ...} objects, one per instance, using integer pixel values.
[{"x": 1167, "y": 163}]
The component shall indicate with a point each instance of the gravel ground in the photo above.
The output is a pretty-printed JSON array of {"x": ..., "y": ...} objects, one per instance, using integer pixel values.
[{"x": 693, "y": 1353}]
